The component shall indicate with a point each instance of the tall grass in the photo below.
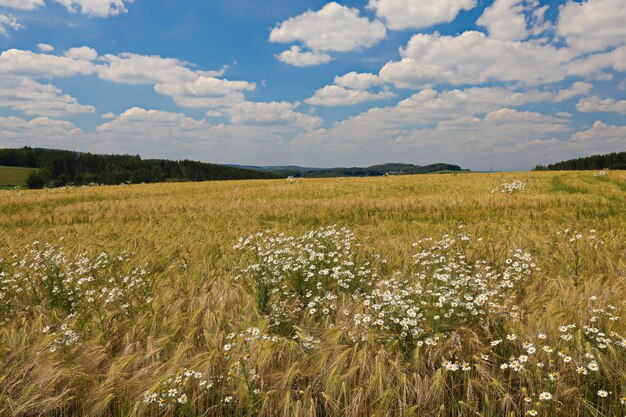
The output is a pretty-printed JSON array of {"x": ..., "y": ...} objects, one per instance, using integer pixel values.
[{"x": 204, "y": 332}]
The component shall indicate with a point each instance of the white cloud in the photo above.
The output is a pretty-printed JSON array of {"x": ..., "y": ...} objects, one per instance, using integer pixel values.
[
  {"x": 358, "y": 81},
  {"x": 596, "y": 104},
  {"x": 600, "y": 138},
  {"x": 99, "y": 8},
  {"x": 9, "y": 22},
  {"x": 473, "y": 58},
  {"x": 298, "y": 58},
  {"x": 22, "y": 4},
  {"x": 174, "y": 78},
  {"x": 430, "y": 106},
  {"x": 592, "y": 65},
  {"x": 579, "y": 88},
  {"x": 206, "y": 92},
  {"x": 513, "y": 20},
  {"x": 135, "y": 121},
  {"x": 593, "y": 25},
  {"x": 498, "y": 139},
  {"x": 271, "y": 113},
  {"x": 128, "y": 68},
  {"x": 335, "y": 95},
  {"x": 35, "y": 99},
  {"x": 27, "y": 63},
  {"x": 40, "y": 131},
  {"x": 83, "y": 53},
  {"x": 405, "y": 14},
  {"x": 179, "y": 136},
  {"x": 333, "y": 28},
  {"x": 44, "y": 47}
]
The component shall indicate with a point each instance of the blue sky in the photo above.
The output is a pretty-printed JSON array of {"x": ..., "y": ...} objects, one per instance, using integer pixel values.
[{"x": 502, "y": 84}]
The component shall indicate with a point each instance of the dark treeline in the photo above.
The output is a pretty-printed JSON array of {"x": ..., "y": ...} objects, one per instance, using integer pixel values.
[
  {"x": 616, "y": 160},
  {"x": 58, "y": 168}
]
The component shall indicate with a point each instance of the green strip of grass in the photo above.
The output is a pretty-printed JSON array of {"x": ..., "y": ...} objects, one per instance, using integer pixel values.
[{"x": 14, "y": 176}]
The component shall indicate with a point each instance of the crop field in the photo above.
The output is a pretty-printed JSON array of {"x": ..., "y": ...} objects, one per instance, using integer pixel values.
[
  {"x": 13, "y": 176},
  {"x": 432, "y": 295}
]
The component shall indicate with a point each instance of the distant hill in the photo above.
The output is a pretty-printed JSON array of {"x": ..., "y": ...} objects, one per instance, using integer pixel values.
[
  {"x": 58, "y": 168},
  {"x": 616, "y": 160},
  {"x": 372, "y": 171}
]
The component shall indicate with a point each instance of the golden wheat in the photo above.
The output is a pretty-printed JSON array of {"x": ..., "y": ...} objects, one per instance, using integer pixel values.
[{"x": 192, "y": 321}]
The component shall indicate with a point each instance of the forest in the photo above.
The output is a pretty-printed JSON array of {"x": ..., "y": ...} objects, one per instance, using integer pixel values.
[
  {"x": 615, "y": 160},
  {"x": 59, "y": 168}
]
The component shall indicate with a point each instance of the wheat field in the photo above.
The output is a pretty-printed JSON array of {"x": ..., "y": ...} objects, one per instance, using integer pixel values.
[{"x": 427, "y": 295}]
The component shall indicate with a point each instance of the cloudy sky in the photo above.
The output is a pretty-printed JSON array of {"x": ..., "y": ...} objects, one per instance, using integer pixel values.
[{"x": 503, "y": 84}]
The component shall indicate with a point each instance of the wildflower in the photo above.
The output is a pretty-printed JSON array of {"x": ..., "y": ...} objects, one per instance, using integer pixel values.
[
  {"x": 511, "y": 337},
  {"x": 602, "y": 393},
  {"x": 532, "y": 412},
  {"x": 593, "y": 366},
  {"x": 228, "y": 399},
  {"x": 545, "y": 396},
  {"x": 182, "y": 399}
]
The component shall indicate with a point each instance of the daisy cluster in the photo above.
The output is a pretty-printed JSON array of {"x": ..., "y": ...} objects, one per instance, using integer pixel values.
[
  {"x": 44, "y": 275},
  {"x": 234, "y": 377},
  {"x": 548, "y": 367},
  {"x": 448, "y": 291},
  {"x": 510, "y": 187},
  {"x": 297, "y": 277}
]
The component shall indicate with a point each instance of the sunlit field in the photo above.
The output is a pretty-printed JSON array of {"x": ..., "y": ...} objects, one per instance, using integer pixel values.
[
  {"x": 433, "y": 295},
  {"x": 13, "y": 176}
]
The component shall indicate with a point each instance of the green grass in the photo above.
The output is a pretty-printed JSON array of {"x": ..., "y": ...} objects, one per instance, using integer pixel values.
[
  {"x": 559, "y": 186},
  {"x": 13, "y": 176}
]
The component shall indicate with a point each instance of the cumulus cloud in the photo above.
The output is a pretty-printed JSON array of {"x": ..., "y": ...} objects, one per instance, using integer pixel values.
[
  {"x": 358, "y": 81},
  {"x": 128, "y": 68},
  {"x": 297, "y": 57},
  {"x": 98, "y": 8},
  {"x": 172, "y": 77},
  {"x": 579, "y": 88},
  {"x": 600, "y": 138},
  {"x": 27, "y": 63},
  {"x": 272, "y": 113},
  {"x": 596, "y": 104},
  {"x": 473, "y": 58},
  {"x": 332, "y": 28},
  {"x": 417, "y": 14},
  {"x": 166, "y": 123},
  {"x": 83, "y": 53},
  {"x": 592, "y": 65},
  {"x": 35, "y": 99},
  {"x": 44, "y": 47},
  {"x": 513, "y": 20},
  {"x": 335, "y": 95},
  {"x": 206, "y": 92},
  {"x": 40, "y": 131},
  {"x": 22, "y": 4},
  {"x": 593, "y": 25},
  {"x": 9, "y": 22},
  {"x": 430, "y": 106}
]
